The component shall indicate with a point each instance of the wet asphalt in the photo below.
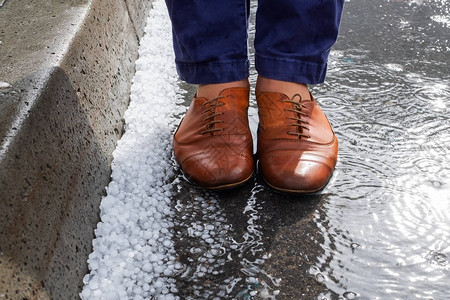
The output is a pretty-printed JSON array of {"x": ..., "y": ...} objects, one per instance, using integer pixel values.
[{"x": 380, "y": 229}]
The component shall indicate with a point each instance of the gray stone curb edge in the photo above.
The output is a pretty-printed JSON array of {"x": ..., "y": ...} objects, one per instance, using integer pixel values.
[{"x": 69, "y": 68}]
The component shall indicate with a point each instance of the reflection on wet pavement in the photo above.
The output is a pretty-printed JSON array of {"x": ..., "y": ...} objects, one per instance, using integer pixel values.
[
  {"x": 381, "y": 228},
  {"x": 233, "y": 246}
]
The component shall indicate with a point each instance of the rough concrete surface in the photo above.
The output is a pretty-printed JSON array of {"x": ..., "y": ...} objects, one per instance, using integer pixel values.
[{"x": 68, "y": 65}]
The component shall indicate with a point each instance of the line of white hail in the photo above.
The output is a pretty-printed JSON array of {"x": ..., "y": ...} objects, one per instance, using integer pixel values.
[{"x": 133, "y": 255}]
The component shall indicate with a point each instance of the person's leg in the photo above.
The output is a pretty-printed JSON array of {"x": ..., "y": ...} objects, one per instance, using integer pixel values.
[
  {"x": 210, "y": 91},
  {"x": 297, "y": 147},
  {"x": 213, "y": 144},
  {"x": 264, "y": 84},
  {"x": 293, "y": 38},
  {"x": 210, "y": 40}
]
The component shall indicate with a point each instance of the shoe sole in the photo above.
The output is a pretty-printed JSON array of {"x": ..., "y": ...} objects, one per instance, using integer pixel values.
[
  {"x": 219, "y": 187},
  {"x": 291, "y": 191},
  {"x": 294, "y": 191}
]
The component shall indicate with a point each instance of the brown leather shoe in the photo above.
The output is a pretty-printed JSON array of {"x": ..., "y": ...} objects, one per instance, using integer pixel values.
[
  {"x": 297, "y": 148},
  {"x": 213, "y": 144}
]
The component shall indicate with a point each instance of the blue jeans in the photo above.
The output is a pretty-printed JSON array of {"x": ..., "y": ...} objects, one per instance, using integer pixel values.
[{"x": 292, "y": 42}]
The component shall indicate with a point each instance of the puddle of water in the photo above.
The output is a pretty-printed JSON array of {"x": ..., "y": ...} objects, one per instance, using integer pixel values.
[
  {"x": 380, "y": 229},
  {"x": 386, "y": 226}
]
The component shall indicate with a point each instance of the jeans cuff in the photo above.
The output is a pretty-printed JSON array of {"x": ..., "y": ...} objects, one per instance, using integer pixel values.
[
  {"x": 213, "y": 72},
  {"x": 290, "y": 70}
]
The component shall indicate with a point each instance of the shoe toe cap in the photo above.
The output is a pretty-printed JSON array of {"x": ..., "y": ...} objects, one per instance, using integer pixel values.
[
  {"x": 215, "y": 173},
  {"x": 296, "y": 172}
]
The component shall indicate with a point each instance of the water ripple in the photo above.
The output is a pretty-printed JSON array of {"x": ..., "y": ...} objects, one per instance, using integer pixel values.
[{"x": 386, "y": 225}]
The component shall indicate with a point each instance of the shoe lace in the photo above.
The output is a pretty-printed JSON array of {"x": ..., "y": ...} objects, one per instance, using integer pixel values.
[
  {"x": 211, "y": 114},
  {"x": 300, "y": 124}
]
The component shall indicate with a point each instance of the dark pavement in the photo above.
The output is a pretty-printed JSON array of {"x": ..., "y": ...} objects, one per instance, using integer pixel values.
[{"x": 381, "y": 228}]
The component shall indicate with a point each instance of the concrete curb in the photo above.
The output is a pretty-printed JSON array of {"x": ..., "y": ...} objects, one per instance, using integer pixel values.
[{"x": 69, "y": 67}]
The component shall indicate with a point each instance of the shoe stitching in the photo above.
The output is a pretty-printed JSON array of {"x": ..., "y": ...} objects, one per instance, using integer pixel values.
[
  {"x": 306, "y": 157},
  {"x": 204, "y": 153},
  {"x": 213, "y": 137},
  {"x": 305, "y": 142}
]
